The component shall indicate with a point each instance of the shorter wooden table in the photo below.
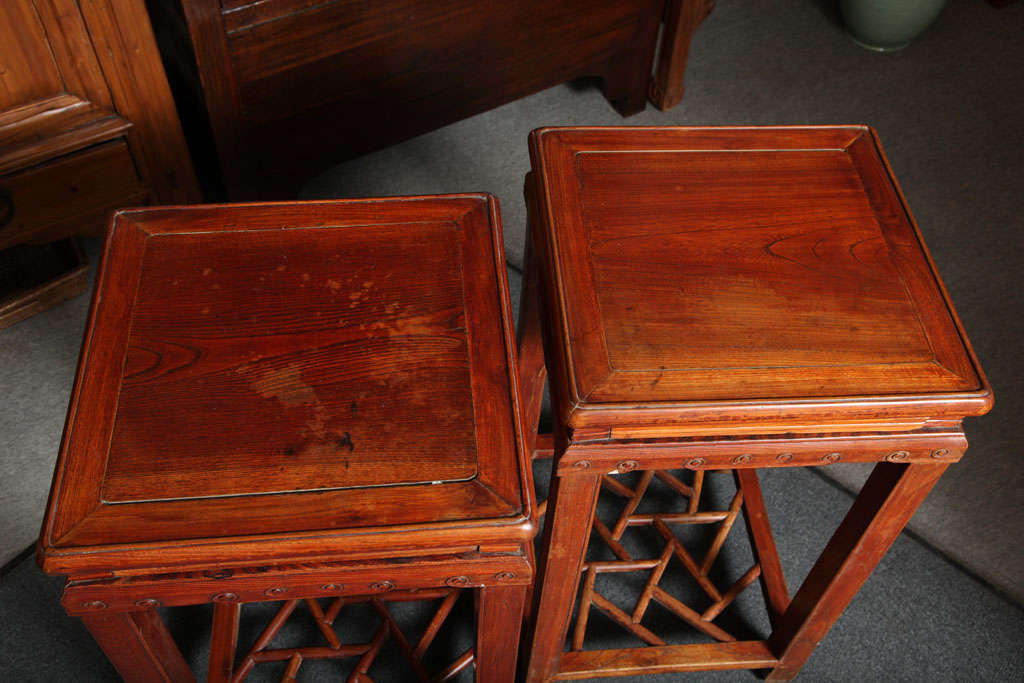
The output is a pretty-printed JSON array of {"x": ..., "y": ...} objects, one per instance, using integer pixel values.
[
  {"x": 726, "y": 299},
  {"x": 295, "y": 402}
]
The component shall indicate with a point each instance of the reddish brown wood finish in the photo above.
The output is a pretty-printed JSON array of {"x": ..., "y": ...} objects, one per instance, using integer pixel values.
[
  {"x": 558, "y": 568},
  {"x": 773, "y": 581},
  {"x": 292, "y": 87},
  {"x": 82, "y": 78},
  {"x": 529, "y": 342},
  {"x": 296, "y": 401},
  {"x": 798, "y": 231},
  {"x": 886, "y": 503},
  {"x": 499, "y": 618},
  {"x": 139, "y": 646},
  {"x": 752, "y": 654},
  {"x": 682, "y": 17},
  {"x": 74, "y": 194},
  {"x": 87, "y": 125},
  {"x": 223, "y": 641},
  {"x": 732, "y": 298}
]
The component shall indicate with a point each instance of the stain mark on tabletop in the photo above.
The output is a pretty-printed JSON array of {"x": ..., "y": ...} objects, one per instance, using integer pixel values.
[
  {"x": 285, "y": 384},
  {"x": 345, "y": 441}
]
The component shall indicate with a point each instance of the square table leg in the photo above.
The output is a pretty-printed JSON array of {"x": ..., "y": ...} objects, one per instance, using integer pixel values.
[
  {"x": 762, "y": 542},
  {"x": 498, "y": 621},
  {"x": 570, "y": 513},
  {"x": 139, "y": 646},
  {"x": 886, "y": 503},
  {"x": 223, "y": 641},
  {"x": 530, "y": 345}
]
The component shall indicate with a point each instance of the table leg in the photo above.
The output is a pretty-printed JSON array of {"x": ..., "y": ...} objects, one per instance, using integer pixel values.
[
  {"x": 682, "y": 17},
  {"x": 886, "y": 503},
  {"x": 563, "y": 546},
  {"x": 773, "y": 581},
  {"x": 223, "y": 641},
  {"x": 532, "y": 371},
  {"x": 498, "y": 621},
  {"x": 139, "y": 646}
]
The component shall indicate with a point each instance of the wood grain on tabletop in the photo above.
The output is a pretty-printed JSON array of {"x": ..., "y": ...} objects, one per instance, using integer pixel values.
[{"x": 291, "y": 368}]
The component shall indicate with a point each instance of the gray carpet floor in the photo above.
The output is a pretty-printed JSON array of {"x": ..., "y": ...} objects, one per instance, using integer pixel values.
[
  {"x": 918, "y": 618},
  {"x": 949, "y": 110}
]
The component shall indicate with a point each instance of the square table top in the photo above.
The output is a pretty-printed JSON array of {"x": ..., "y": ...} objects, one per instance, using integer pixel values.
[
  {"x": 255, "y": 372},
  {"x": 741, "y": 273}
]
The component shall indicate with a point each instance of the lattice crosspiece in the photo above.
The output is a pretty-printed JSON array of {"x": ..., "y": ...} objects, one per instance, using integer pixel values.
[
  {"x": 366, "y": 652},
  {"x": 662, "y": 523}
]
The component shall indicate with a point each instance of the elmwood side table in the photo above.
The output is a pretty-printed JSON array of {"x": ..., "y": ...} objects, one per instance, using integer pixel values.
[
  {"x": 726, "y": 299},
  {"x": 296, "y": 402}
]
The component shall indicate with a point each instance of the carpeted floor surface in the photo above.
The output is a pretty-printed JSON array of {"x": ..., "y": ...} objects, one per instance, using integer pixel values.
[
  {"x": 918, "y": 618},
  {"x": 949, "y": 110}
]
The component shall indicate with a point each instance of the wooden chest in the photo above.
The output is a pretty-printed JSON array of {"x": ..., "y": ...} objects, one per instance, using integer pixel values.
[{"x": 294, "y": 86}]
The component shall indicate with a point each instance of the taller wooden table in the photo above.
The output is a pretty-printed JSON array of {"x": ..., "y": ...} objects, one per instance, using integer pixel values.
[
  {"x": 295, "y": 402},
  {"x": 727, "y": 298}
]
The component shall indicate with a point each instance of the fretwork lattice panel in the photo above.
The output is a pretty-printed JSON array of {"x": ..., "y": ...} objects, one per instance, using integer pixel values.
[
  {"x": 653, "y": 560},
  {"x": 358, "y": 630}
]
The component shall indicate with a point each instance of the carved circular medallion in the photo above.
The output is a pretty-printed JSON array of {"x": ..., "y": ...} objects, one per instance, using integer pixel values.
[
  {"x": 696, "y": 462},
  {"x": 831, "y": 458},
  {"x": 940, "y": 453},
  {"x": 332, "y": 587},
  {"x": 898, "y": 456},
  {"x": 279, "y": 590},
  {"x": 505, "y": 576},
  {"x": 225, "y": 597},
  {"x": 742, "y": 459},
  {"x": 148, "y": 602},
  {"x": 94, "y": 604},
  {"x": 581, "y": 465},
  {"x": 783, "y": 457},
  {"x": 382, "y": 587},
  {"x": 457, "y": 581},
  {"x": 627, "y": 466}
]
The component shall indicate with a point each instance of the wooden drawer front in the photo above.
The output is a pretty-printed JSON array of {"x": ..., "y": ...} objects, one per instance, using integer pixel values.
[{"x": 69, "y": 195}]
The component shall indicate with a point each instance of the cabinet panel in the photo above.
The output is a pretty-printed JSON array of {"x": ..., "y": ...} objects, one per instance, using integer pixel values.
[{"x": 28, "y": 71}]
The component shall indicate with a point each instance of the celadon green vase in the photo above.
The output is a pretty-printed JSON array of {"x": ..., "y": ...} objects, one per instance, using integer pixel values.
[{"x": 888, "y": 25}]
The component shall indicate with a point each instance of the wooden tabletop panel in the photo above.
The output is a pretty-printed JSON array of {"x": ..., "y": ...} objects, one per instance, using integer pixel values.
[
  {"x": 741, "y": 265},
  {"x": 289, "y": 368}
]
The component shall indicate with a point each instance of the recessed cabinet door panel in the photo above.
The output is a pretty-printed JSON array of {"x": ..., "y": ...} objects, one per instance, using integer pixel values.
[
  {"x": 28, "y": 71},
  {"x": 45, "y": 57}
]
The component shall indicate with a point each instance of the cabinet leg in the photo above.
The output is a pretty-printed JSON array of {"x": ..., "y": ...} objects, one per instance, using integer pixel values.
[{"x": 682, "y": 17}]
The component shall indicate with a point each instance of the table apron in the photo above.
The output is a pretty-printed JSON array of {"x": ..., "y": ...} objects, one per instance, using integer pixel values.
[
  {"x": 616, "y": 457},
  {"x": 191, "y": 588}
]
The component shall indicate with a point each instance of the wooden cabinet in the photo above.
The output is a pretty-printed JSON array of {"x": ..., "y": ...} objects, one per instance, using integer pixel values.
[
  {"x": 87, "y": 123},
  {"x": 292, "y": 87}
]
